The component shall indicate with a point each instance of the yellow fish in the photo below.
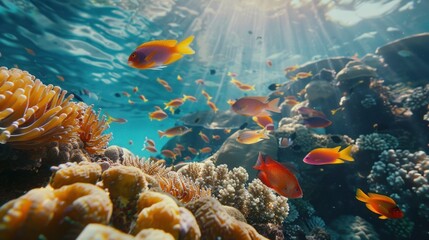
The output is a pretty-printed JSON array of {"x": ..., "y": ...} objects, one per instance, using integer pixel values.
[{"x": 252, "y": 136}]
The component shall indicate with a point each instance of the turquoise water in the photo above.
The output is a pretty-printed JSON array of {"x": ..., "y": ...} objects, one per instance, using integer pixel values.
[{"x": 88, "y": 42}]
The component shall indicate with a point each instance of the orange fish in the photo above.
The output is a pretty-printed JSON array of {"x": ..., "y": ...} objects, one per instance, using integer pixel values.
[
  {"x": 199, "y": 82},
  {"x": 179, "y": 78},
  {"x": 235, "y": 82},
  {"x": 150, "y": 142},
  {"x": 174, "y": 131},
  {"x": 142, "y": 97},
  {"x": 159, "y": 114},
  {"x": 168, "y": 154},
  {"x": 301, "y": 75},
  {"x": 162, "y": 82},
  {"x": 278, "y": 177},
  {"x": 205, "y": 150},
  {"x": 131, "y": 102},
  {"x": 189, "y": 97},
  {"x": 193, "y": 150},
  {"x": 187, "y": 158},
  {"x": 157, "y": 54},
  {"x": 227, "y": 130},
  {"x": 149, "y": 148},
  {"x": 291, "y": 68},
  {"x": 246, "y": 87},
  {"x": 212, "y": 105},
  {"x": 263, "y": 121},
  {"x": 175, "y": 103},
  {"x": 255, "y": 106},
  {"x": 322, "y": 156},
  {"x": 230, "y": 102},
  {"x": 215, "y": 137},
  {"x": 252, "y": 136},
  {"x": 61, "y": 78},
  {"x": 135, "y": 89},
  {"x": 111, "y": 119},
  {"x": 206, "y": 95},
  {"x": 380, "y": 204},
  {"x": 291, "y": 101},
  {"x": 180, "y": 146},
  {"x": 204, "y": 137},
  {"x": 126, "y": 94},
  {"x": 177, "y": 151}
]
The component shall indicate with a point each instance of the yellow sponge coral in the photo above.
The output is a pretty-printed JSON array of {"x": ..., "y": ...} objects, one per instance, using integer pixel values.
[{"x": 84, "y": 172}]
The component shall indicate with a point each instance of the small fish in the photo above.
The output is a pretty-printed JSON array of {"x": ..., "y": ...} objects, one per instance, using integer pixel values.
[
  {"x": 174, "y": 131},
  {"x": 179, "y": 78},
  {"x": 149, "y": 141},
  {"x": 212, "y": 71},
  {"x": 285, "y": 142},
  {"x": 180, "y": 146},
  {"x": 168, "y": 154},
  {"x": 61, "y": 78},
  {"x": 227, "y": 130},
  {"x": 30, "y": 51},
  {"x": 135, "y": 89},
  {"x": 149, "y": 148},
  {"x": 187, "y": 158},
  {"x": 334, "y": 111},
  {"x": 130, "y": 142},
  {"x": 189, "y": 98},
  {"x": 168, "y": 88},
  {"x": 316, "y": 122},
  {"x": 212, "y": 105},
  {"x": 126, "y": 94},
  {"x": 301, "y": 75},
  {"x": 204, "y": 137},
  {"x": 215, "y": 137},
  {"x": 162, "y": 82},
  {"x": 291, "y": 101},
  {"x": 158, "y": 114},
  {"x": 205, "y": 150},
  {"x": 291, "y": 68},
  {"x": 131, "y": 102},
  {"x": 247, "y": 87},
  {"x": 193, "y": 150},
  {"x": 175, "y": 103},
  {"x": 230, "y": 102},
  {"x": 177, "y": 151},
  {"x": 322, "y": 156},
  {"x": 263, "y": 121},
  {"x": 380, "y": 204},
  {"x": 255, "y": 106},
  {"x": 199, "y": 82},
  {"x": 111, "y": 119},
  {"x": 278, "y": 177},
  {"x": 142, "y": 97},
  {"x": 159, "y": 53},
  {"x": 269, "y": 63},
  {"x": 252, "y": 136},
  {"x": 197, "y": 120},
  {"x": 274, "y": 86},
  {"x": 232, "y": 74},
  {"x": 77, "y": 96},
  {"x": 206, "y": 95}
]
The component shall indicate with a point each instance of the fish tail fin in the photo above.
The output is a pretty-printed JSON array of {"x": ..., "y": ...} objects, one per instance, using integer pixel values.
[
  {"x": 345, "y": 154},
  {"x": 272, "y": 105},
  {"x": 184, "y": 48},
  {"x": 361, "y": 196},
  {"x": 259, "y": 162},
  {"x": 161, "y": 133},
  {"x": 185, "y": 97}
]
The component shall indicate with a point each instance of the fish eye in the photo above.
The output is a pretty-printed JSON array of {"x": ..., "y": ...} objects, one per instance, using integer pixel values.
[{"x": 133, "y": 55}]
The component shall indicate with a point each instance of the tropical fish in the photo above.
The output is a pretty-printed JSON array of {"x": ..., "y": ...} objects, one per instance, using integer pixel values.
[
  {"x": 158, "y": 114},
  {"x": 189, "y": 97},
  {"x": 307, "y": 112},
  {"x": 205, "y": 150},
  {"x": 180, "y": 146},
  {"x": 255, "y": 106},
  {"x": 131, "y": 102},
  {"x": 252, "y": 136},
  {"x": 263, "y": 121},
  {"x": 131, "y": 142},
  {"x": 301, "y": 75},
  {"x": 175, "y": 103},
  {"x": 380, "y": 204},
  {"x": 274, "y": 86},
  {"x": 291, "y": 101},
  {"x": 206, "y": 95},
  {"x": 199, "y": 82},
  {"x": 212, "y": 105},
  {"x": 179, "y": 78},
  {"x": 149, "y": 148},
  {"x": 291, "y": 68},
  {"x": 204, "y": 137},
  {"x": 193, "y": 150},
  {"x": 246, "y": 87},
  {"x": 159, "y": 53},
  {"x": 269, "y": 63},
  {"x": 30, "y": 51},
  {"x": 285, "y": 142},
  {"x": 126, "y": 94},
  {"x": 142, "y": 97},
  {"x": 162, "y": 82},
  {"x": 232, "y": 74},
  {"x": 278, "y": 177},
  {"x": 61, "y": 78},
  {"x": 168, "y": 154},
  {"x": 230, "y": 102},
  {"x": 111, "y": 119},
  {"x": 316, "y": 122},
  {"x": 322, "y": 156},
  {"x": 215, "y": 137},
  {"x": 174, "y": 131},
  {"x": 135, "y": 89}
]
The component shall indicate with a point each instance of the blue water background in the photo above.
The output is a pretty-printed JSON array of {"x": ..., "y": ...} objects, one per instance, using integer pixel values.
[{"x": 88, "y": 42}]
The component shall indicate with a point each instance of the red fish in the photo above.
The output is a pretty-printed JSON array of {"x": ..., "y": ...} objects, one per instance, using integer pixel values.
[
  {"x": 255, "y": 106},
  {"x": 159, "y": 53},
  {"x": 322, "y": 156},
  {"x": 380, "y": 204},
  {"x": 278, "y": 177}
]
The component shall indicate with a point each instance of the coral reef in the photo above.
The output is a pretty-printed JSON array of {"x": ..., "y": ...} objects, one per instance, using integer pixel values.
[
  {"x": 400, "y": 228},
  {"x": 215, "y": 222},
  {"x": 352, "y": 227},
  {"x": 355, "y": 74},
  {"x": 404, "y": 176},
  {"x": 258, "y": 203},
  {"x": 376, "y": 142},
  {"x": 419, "y": 98},
  {"x": 85, "y": 172}
]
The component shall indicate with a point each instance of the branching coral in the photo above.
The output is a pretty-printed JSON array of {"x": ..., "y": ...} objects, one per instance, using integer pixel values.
[
  {"x": 33, "y": 114},
  {"x": 377, "y": 142},
  {"x": 404, "y": 176},
  {"x": 181, "y": 187}
]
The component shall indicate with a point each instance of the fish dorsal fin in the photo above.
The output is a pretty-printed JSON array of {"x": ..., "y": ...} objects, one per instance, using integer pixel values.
[
  {"x": 376, "y": 196},
  {"x": 158, "y": 108},
  {"x": 269, "y": 160},
  {"x": 165, "y": 43},
  {"x": 382, "y": 217},
  {"x": 336, "y": 149},
  {"x": 264, "y": 179},
  {"x": 345, "y": 154}
]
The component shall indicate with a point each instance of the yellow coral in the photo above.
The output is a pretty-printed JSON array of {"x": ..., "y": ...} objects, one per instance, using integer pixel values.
[
  {"x": 153, "y": 234},
  {"x": 91, "y": 130},
  {"x": 28, "y": 216},
  {"x": 101, "y": 232},
  {"x": 215, "y": 222},
  {"x": 84, "y": 172},
  {"x": 33, "y": 114}
]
